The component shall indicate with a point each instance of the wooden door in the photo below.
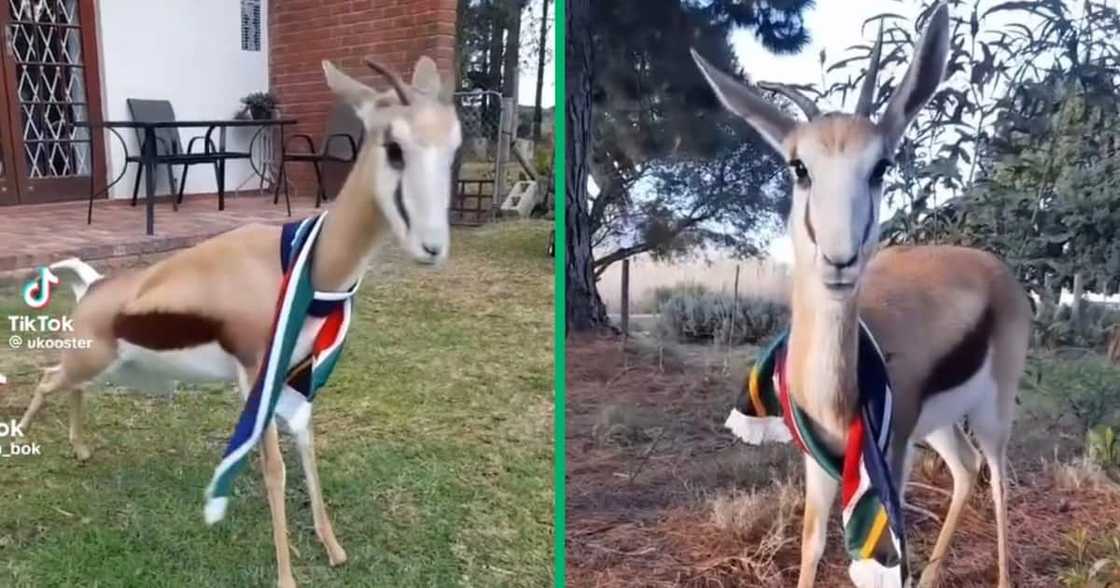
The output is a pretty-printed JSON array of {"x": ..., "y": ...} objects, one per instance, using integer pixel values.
[
  {"x": 9, "y": 188},
  {"x": 51, "y": 79}
]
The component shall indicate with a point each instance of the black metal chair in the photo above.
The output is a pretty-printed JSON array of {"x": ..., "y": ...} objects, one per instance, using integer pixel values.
[
  {"x": 339, "y": 149},
  {"x": 169, "y": 150}
]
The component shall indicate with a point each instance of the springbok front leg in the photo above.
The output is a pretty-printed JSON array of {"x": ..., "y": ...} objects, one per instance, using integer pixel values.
[
  {"x": 77, "y": 416},
  {"x": 272, "y": 462},
  {"x": 963, "y": 461},
  {"x": 820, "y": 492},
  {"x": 272, "y": 467},
  {"x": 305, "y": 441}
]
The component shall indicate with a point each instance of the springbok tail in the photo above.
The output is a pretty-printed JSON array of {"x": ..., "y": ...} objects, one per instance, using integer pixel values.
[{"x": 84, "y": 271}]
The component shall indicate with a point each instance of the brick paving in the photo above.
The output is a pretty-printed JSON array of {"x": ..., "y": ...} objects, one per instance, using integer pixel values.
[{"x": 37, "y": 234}]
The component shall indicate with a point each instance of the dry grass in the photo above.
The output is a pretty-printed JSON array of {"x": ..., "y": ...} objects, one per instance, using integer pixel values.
[
  {"x": 762, "y": 280},
  {"x": 1080, "y": 474},
  {"x": 691, "y": 507}
]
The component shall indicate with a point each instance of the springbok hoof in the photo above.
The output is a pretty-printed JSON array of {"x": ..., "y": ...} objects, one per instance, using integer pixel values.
[
  {"x": 336, "y": 556},
  {"x": 929, "y": 577},
  {"x": 82, "y": 452}
]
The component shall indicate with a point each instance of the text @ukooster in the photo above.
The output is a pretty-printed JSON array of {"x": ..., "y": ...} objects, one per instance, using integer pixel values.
[{"x": 42, "y": 333}]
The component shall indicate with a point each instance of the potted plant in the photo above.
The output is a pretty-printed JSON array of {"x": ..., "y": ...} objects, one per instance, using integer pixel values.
[{"x": 258, "y": 105}]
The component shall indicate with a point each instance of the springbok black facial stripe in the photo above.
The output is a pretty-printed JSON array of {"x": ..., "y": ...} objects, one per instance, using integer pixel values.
[
  {"x": 809, "y": 221},
  {"x": 398, "y": 197},
  {"x": 870, "y": 219}
]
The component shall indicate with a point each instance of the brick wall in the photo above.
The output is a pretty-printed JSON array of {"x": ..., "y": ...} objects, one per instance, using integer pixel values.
[{"x": 302, "y": 33}]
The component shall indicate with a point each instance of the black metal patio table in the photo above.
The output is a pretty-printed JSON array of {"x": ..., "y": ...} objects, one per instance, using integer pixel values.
[{"x": 150, "y": 158}]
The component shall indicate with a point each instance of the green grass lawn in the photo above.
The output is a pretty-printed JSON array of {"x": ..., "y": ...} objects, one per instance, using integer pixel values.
[{"x": 434, "y": 442}]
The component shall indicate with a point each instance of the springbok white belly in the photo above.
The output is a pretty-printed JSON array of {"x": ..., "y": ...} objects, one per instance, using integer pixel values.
[{"x": 149, "y": 370}]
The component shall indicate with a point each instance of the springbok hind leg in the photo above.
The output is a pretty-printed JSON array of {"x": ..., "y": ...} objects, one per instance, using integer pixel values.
[
  {"x": 964, "y": 462},
  {"x": 272, "y": 463},
  {"x": 54, "y": 379},
  {"x": 305, "y": 441},
  {"x": 992, "y": 434},
  {"x": 77, "y": 368}
]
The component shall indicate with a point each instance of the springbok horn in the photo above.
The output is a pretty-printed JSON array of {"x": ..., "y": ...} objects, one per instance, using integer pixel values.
[
  {"x": 802, "y": 101},
  {"x": 393, "y": 78},
  {"x": 867, "y": 93}
]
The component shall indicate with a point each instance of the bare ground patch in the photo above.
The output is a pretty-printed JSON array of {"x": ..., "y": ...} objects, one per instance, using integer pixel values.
[{"x": 660, "y": 495}]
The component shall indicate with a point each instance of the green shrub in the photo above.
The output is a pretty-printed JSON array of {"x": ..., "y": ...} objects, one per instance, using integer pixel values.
[
  {"x": 692, "y": 313},
  {"x": 1102, "y": 447},
  {"x": 1097, "y": 320},
  {"x": 661, "y": 294},
  {"x": 1087, "y": 389}
]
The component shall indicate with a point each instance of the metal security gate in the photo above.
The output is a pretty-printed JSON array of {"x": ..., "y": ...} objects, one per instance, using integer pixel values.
[{"x": 50, "y": 79}]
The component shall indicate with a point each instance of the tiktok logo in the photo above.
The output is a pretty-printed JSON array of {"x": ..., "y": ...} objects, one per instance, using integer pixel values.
[{"x": 37, "y": 292}]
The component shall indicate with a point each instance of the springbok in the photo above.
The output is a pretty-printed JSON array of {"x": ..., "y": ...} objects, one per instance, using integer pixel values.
[
  {"x": 206, "y": 313},
  {"x": 953, "y": 322}
]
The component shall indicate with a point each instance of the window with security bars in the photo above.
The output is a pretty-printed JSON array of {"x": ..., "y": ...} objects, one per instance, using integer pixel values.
[{"x": 250, "y": 25}]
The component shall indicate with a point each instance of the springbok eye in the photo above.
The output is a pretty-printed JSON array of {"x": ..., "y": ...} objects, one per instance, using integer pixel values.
[
  {"x": 395, "y": 155},
  {"x": 800, "y": 171},
  {"x": 879, "y": 170}
]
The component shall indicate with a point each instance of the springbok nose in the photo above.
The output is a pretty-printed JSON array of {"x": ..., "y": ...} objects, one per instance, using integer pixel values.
[
  {"x": 843, "y": 264},
  {"x": 432, "y": 250}
]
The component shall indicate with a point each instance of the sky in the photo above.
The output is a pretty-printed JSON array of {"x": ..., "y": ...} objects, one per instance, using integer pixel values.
[
  {"x": 527, "y": 77},
  {"x": 833, "y": 25}
]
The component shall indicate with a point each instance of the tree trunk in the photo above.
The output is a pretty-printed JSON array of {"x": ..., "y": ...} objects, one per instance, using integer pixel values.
[
  {"x": 1077, "y": 304},
  {"x": 585, "y": 309},
  {"x": 512, "y": 51},
  {"x": 1046, "y": 302},
  {"x": 460, "y": 50},
  {"x": 494, "y": 71},
  {"x": 494, "y": 60},
  {"x": 538, "y": 110}
]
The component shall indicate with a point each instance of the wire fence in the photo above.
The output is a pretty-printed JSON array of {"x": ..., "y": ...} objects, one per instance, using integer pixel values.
[
  {"x": 496, "y": 170},
  {"x": 477, "y": 177}
]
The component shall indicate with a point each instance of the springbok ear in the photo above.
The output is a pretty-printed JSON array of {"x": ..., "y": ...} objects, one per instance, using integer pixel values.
[
  {"x": 349, "y": 90},
  {"x": 922, "y": 79},
  {"x": 739, "y": 98},
  {"x": 425, "y": 77}
]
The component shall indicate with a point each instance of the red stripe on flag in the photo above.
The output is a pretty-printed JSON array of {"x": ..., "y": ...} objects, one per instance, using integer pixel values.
[
  {"x": 850, "y": 479},
  {"x": 275, "y": 323},
  {"x": 787, "y": 408},
  {"x": 329, "y": 331}
]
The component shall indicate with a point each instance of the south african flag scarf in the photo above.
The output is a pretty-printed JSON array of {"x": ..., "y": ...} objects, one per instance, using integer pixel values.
[
  {"x": 871, "y": 505},
  {"x": 286, "y": 385}
]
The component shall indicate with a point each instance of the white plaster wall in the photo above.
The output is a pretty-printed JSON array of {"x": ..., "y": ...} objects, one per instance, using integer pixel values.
[{"x": 185, "y": 51}]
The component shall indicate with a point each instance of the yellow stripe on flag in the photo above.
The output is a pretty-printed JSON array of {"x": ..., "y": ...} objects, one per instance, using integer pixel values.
[
  {"x": 876, "y": 532},
  {"x": 756, "y": 400}
]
